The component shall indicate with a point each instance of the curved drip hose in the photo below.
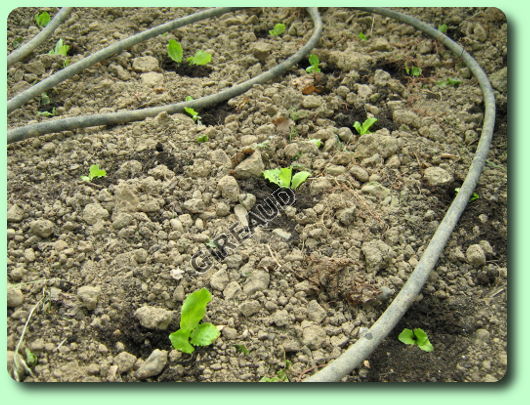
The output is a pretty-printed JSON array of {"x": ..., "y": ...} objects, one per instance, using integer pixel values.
[
  {"x": 360, "y": 350},
  {"x": 38, "y": 39},
  {"x": 367, "y": 343},
  {"x": 84, "y": 121}
]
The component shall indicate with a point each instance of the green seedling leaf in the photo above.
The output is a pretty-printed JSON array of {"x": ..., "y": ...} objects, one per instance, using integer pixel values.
[
  {"x": 443, "y": 28},
  {"x": 31, "y": 359},
  {"x": 42, "y": 19},
  {"x": 204, "y": 334},
  {"x": 278, "y": 29},
  {"x": 270, "y": 379},
  {"x": 192, "y": 332},
  {"x": 180, "y": 341},
  {"x": 94, "y": 172},
  {"x": 47, "y": 113},
  {"x": 242, "y": 349},
  {"x": 298, "y": 179},
  {"x": 364, "y": 128},
  {"x": 422, "y": 340},
  {"x": 190, "y": 111},
  {"x": 316, "y": 142},
  {"x": 314, "y": 61},
  {"x": 202, "y": 139},
  {"x": 194, "y": 308},
  {"x": 200, "y": 58},
  {"x": 361, "y": 36},
  {"x": 284, "y": 177},
  {"x": 60, "y": 48},
  {"x": 174, "y": 51},
  {"x": 407, "y": 337},
  {"x": 414, "y": 71},
  {"x": 473, "y": 197},
  {"x": 449, "y": 82}
]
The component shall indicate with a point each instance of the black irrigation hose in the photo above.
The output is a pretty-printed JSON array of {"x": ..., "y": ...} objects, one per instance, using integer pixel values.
[
  {"x": 38, "y": 39},
  {"x": 360, "y": 350},
  {"x": 109, "y": 51},
  {"x": 84, "y": 121}
]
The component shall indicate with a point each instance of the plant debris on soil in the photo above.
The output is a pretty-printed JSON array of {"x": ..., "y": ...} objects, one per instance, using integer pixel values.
[{"x": 101, "y": 268}]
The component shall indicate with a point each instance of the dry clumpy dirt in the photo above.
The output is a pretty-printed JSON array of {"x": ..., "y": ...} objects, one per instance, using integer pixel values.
[{"x": 108, "y": 263}]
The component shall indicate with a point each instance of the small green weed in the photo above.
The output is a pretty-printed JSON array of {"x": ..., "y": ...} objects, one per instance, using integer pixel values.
[
  {"x": 284, "y": 178},
  {"x": 242, "y": 349},
  {"x": 42, "y": 19},
  {"x": 191, "y": 332},
  {"x": 449, "y": 82},
  {"x": 281, "y": 375},
  {"x": 416, "y": 337},
  {"x": 191, "y": 112},
  {"x": 443, "y": 28},
  {"x": 314, "y": 61},
  {"x": 202, "y": 139},
  {"x": 364, "y": 128},
  {"x": 31, "y": 359},
  {"x": 278, "y": 30},
  {"x": 361, "y": 36},
  {"x": 94, "y": 172}
]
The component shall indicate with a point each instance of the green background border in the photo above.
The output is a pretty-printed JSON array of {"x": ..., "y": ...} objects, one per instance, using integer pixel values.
[{"x": 513, "y": 388}]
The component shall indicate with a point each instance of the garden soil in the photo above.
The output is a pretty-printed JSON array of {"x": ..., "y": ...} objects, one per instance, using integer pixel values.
[{"x": 101, "y": 268}]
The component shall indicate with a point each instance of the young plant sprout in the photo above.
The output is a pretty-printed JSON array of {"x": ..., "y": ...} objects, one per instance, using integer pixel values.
[
  {"x": 191, "y": 112},
  {"x": 60, "y": 48},
  {"x": 200, "y": 58},
  {"x": 416, "y": 337},
  {"x": 278, "y": 30},
  {"x": 414, "y": 71},
  {"x": 364, "y": 128},
  {"x": 42, "y": 19},
  {"x": 314, "y": 62},
  {"x": 174, "y": 51},
  {"x": 94, "y": 172},
  {"x": 361, "y": 36},
  {"x": 192, "y": 332},
  {"x": 284, "y": 178}
]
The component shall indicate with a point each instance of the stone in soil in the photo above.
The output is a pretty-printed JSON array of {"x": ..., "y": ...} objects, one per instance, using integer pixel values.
[
  {"x": 154, "y": 364},
  {"x": 153, "y": 317}
]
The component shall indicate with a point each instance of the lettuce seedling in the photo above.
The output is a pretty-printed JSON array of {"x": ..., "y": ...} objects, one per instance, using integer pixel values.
[
  {"x": 42, "y": 19},
  {"x": 278, "y": 30},
  {"x": 364, "y": 128},
  {"x": 284, "y": 178},
  {"x": 414, "y": 71},
  {"x": 191, "y": 112},
  {"x": 443, "y": 28},
  {"x": 361, "y": 36},
  {"x": 174, "y": 51},
  {"x": 316, "y": 142},
  {"x": 200, "y": 58},
  {"x": 473, "y": 197},
  {"x": 191, "y": 332},
  {"x": 314, "y": 62},
  {"x": 94, "y": 172},
  {"x": 202, "y": 139},
  {"x": 60, "y": 48},
  {"x": 417, "y": 337}
]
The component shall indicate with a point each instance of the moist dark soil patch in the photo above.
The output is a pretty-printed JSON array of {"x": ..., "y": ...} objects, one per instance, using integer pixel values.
[
  {"x": 216, "y": 115},
  {"x": 184, "y": 68},
  {"x": 449, "y": 325},
  {"x": 137, "y": 339}
]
